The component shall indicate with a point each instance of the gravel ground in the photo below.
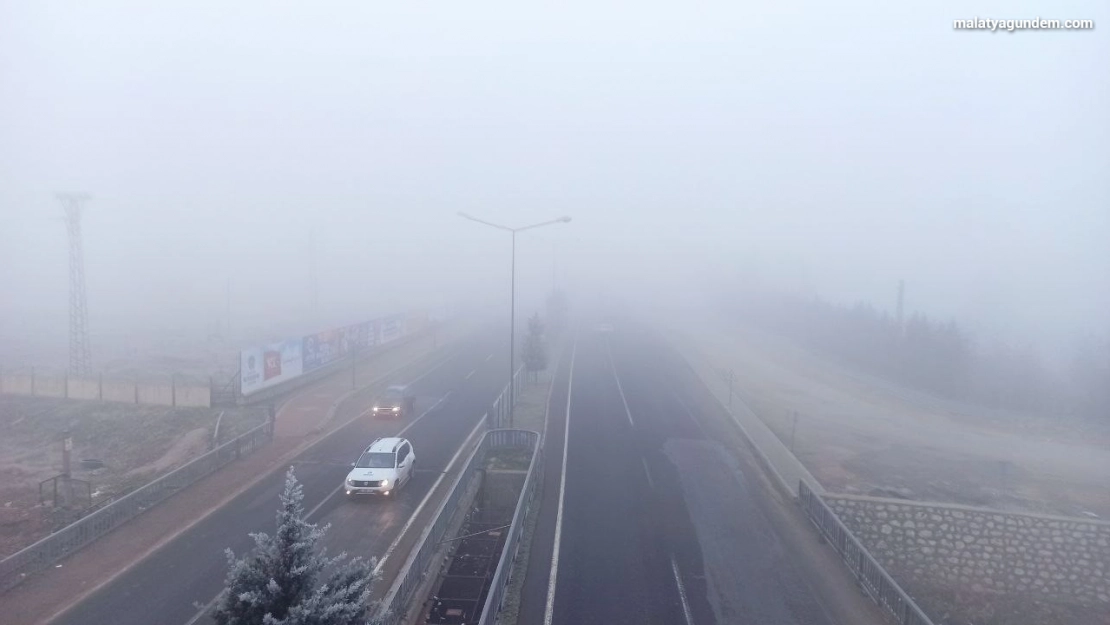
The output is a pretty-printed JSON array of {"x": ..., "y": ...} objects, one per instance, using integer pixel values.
[{"x": 135, "y": 443}]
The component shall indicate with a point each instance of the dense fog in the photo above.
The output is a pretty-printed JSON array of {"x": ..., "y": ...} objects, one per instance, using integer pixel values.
[{"x": 242, "y": 158}]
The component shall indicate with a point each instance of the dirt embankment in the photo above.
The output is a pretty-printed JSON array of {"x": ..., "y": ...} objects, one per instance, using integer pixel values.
[
  {"x": 861, "y": 434},
  {"x": 135, "y": 444}
]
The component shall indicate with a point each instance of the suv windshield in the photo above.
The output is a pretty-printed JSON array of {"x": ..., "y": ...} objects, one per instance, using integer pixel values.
[{"x": 375, "y": 460}]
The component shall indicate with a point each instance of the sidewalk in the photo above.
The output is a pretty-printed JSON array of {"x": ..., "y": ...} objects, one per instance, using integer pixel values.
[{"x": 299, "y": 423}]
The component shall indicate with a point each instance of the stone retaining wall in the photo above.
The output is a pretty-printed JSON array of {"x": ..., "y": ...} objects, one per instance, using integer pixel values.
[{"x": 981, "y": 550}]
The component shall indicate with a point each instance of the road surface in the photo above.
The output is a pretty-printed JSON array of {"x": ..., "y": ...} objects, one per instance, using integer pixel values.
[
  {"x": 169, "y": 586},
  {"x": 653, "y": 520}
]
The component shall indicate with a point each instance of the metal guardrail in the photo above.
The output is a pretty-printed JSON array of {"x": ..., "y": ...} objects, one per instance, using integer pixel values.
[
  {"x": 501, "y": 576},
  {"x": 875, "y": 580},
  {"x": 73, "y": 537},
  {"x": 395, "y": 604},
  {"x": 500, "y": 410}
]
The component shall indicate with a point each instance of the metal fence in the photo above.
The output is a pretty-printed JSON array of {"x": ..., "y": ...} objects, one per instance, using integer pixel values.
[
  {"x": 80, "y": 533},
  {"x": 875, "y": 580},
  {"x": 500, "y": 411},
  {"x": 420, "y": 562},
  {"x": 501, "y": 576}
]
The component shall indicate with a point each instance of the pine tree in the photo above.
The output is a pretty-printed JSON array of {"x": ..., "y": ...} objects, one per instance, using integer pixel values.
[
  {"x": 535, "y": 355},
  {"x": 276, "y": 584}
]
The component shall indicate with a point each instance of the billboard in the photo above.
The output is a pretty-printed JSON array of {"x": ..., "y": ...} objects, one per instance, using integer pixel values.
[
  {"x": 268, "y": 365},
  {"x": 320, "y": 349},
  {"x": 392, "y": 328}
]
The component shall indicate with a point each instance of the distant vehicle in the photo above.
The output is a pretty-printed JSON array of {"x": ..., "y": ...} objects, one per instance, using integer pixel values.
[
  {"x": 395, "y": 402},
  {"x": 385, "y": 466}
]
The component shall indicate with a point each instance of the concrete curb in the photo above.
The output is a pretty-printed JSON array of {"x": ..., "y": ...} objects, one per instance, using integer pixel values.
[{"x": 788, "y": 487}]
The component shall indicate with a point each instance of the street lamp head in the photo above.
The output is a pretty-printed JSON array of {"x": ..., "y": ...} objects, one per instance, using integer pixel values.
[{"x": 565, "y": 219}]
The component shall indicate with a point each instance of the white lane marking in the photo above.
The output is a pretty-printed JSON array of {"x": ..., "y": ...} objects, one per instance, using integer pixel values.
[
  {"x": 647, "y": 472},
  {"x": 317, "y": 507},
  {"x": 203, "y": 611},
  {"x": 682, "y": 592},
  {"x": 339, "y": 489},
  {"x": 427, "y": 497},
  {"x": 554, "y": 573},
  {"x": 488, "y": 357},
  {"x": 613, "y": 367},
  {"x": 311, "y": 513},
  {"x": 470, "y": 374},
  {"x": 423, "y": 414}
]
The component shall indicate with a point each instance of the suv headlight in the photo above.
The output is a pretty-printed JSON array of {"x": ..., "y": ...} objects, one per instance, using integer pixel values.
[
  {"x": 396, "y": 409},
  {"x": 375, "y": 408},
  {"x": 385, "y": 482}
]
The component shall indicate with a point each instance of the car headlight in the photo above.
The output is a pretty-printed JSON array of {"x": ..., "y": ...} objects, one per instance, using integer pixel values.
[
  {"x": 396, "y": 408},
  {"x": 375, "y": 408},
  {"x": 350, "y": 482},
  {"x": 385, "y": 482}
]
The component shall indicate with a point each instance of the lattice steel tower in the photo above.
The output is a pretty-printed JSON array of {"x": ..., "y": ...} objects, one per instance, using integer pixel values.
[{"x": 79, "y": 359}]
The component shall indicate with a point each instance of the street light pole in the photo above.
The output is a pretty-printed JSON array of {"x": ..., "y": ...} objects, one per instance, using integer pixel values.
[
  {"x": 512, "y": 332},
  {"x": 512, "y": 298}
]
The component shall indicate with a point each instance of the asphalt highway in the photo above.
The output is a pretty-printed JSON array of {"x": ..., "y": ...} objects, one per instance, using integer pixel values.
[
  {"x": 170, "y": 586},
  {"x": 653, "y": 520}
]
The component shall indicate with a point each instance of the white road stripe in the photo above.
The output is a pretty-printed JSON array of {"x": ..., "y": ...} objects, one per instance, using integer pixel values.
[
  {"x": 470, "y": 374},
  {"x": 422, "y": 415},
  {"x": 338, "y": 489},
  {"x": 682, "y": 592},
  {"x": 613, "y": 367},
  {"x": 488, "y": 357},
  {"x": 423, "y": 502},
  {"x": 554, "y": 574},
  {"x": 647, "y": 472}
]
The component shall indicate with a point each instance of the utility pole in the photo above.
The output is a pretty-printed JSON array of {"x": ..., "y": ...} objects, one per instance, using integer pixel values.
[
  {"x": 79, "y": 359},
  {"x": 901, "y": 303},
  {"x": 229, "y": 309},
  {"x": 315, "y": 285}
]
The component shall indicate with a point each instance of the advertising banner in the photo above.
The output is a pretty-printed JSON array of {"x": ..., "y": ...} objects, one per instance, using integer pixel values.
[
  {"x": 373, "y": 333},
  {"x": 416, "y": 322},
  {"x": 320, "y": 349},
  {"x": 392, "y": 328},
  {"x": 267, "y": 365}
]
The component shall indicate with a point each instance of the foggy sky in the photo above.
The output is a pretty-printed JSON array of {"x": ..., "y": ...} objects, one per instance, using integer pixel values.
[{"x": 832, "y": 148}]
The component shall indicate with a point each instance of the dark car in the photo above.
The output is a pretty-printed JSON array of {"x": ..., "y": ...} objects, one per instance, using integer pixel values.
[{"x": 395, "y": 402}]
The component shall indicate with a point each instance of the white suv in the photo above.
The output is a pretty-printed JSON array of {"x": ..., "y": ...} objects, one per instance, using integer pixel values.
[{"x": 385, "y": 466}]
